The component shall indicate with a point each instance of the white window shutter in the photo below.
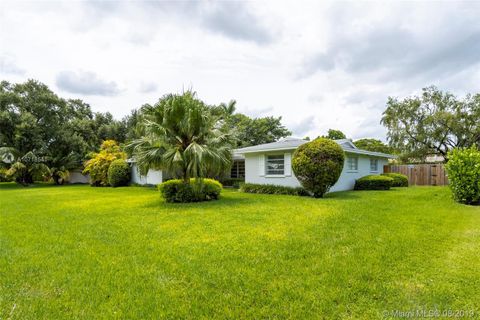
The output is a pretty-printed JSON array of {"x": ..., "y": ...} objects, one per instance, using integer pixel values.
[
  {"x": 287, "y": 164},
  {"x": 261, "y": 165}
]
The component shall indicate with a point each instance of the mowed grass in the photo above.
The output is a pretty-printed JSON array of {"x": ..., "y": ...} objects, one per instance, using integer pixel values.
[{"x": 77, "y": 252}]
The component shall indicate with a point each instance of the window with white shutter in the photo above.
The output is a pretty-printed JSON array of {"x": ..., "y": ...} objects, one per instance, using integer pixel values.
[
  {"x": 261, "y": 165},
  {"x": 373, "y": 165},
  {"x": 288, "y": 164},
  {"x": 352, "y": 163},
  {"x": 275, "y": 165}
]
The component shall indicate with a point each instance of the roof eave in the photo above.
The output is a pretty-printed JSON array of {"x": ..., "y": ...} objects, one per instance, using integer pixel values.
[
  {"x": 371, "y": 153},
  {"x": 355, "y": 151},
  {"x": 239, "y": 151}
]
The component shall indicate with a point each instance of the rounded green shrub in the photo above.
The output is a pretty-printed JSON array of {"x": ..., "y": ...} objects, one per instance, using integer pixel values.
[
  {"x": 373, "y": 182},
  {"x": 194, "y": 191},
  {"x": 463, "y": 169},
  {"x": 399, "y": 180},
  {"x": 118, "y": 173},
  {"x": 318, "y": 165}
]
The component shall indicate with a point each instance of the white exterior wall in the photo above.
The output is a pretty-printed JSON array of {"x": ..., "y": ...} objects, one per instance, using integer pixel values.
[
  {"x": 346, "y": 181},
  {"x": 347, "y": 178},
  {"x": 253, "y": 174},
  {"x": 152, "y": 177},
  {"x": 76, "y": 176}
]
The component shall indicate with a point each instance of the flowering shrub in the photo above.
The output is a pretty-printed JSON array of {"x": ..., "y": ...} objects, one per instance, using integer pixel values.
[{"x": 97, "y": 166}]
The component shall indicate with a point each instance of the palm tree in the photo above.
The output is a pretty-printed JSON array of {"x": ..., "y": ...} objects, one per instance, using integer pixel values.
[
  {"x": 60, "y": 167},
  {"x": 23, "y": 168},
  {"x": 229, "y": 108},
  {"x": 184, "y": 137}
]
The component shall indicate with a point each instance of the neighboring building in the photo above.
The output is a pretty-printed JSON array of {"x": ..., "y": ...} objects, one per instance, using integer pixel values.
[
  {"x": 76, "y": 176},
  {"x": 270, "y": 163},
  {"x": 435, "y": 158},
  {"x": 152, "y": 177}
]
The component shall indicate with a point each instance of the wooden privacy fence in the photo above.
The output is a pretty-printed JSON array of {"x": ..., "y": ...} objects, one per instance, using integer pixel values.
[{"x": 421, "y": 174}]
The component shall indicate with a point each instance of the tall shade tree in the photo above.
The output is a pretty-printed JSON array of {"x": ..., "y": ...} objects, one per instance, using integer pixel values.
[
  {"x": 183, "y": 136},
  {"x": 433, "y": 123},
  {"x": 250, "y": 132},
  {"x": 60, "y": 133}
]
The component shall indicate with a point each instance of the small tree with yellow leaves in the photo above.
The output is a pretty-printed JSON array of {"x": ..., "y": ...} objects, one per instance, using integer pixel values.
[{"x": 97, "y": 166}]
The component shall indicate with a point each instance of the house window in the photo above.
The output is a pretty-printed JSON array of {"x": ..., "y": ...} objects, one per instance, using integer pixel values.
[
  {"x": 373, "y": 165},
  {"x": 352, "y": 163},
  {"x": 275, "y": 165},
  {"x": 238, "y": 169}
]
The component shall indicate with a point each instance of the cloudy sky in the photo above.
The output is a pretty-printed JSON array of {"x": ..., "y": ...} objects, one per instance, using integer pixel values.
[{"x": 318, "y": 65}]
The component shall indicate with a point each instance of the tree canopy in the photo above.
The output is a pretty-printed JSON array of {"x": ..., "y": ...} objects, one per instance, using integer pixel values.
[
  {"x": 254, "y": 131},
  {"x": 57, "y": 132},
  {"x": 433, "y": 123},
  {"x": 335, "y": 134},
  {"x": 375, "y": 145}
]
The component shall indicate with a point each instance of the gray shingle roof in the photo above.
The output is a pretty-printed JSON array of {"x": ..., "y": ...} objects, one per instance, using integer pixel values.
[
  {"x": 294, "y": 143},
  {"x": 283, "y": 144}
]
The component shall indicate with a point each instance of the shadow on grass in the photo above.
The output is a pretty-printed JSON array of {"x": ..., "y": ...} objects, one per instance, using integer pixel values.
[
  {"x": 356, "y": 194},
  {"x": 16, "y": 186},
  {"x": 222, "y": 203},
  {"x": 347, "y": 195}
]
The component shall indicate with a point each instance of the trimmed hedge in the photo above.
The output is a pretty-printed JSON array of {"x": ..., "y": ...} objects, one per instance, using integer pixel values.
[
  {"x": 318, "y": 165},
  {"x": 196, "y": 190},
  {"x": 118, "y": 173},
  {"x": 373, "y": 182},
  {"x": 463, "y": 168},
  {"x": 232, "y": 182},
  {"x": 399, "y": 180},
  {"x": 272, "y": 189}
]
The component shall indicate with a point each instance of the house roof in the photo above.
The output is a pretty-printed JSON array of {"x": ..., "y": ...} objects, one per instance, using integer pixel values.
[{"x": 294, "y": 143}]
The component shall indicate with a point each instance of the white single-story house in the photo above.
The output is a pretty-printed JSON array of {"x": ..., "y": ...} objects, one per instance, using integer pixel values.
[{"x": 270, "y": 163}]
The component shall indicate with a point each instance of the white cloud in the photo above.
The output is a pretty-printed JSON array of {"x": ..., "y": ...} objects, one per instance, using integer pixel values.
[
  {"x": 318, "y": 65},
  {"x": 148, "y": 87},
  {"x": 87, "y": 83},
  {"x": 8, "y": 66}
]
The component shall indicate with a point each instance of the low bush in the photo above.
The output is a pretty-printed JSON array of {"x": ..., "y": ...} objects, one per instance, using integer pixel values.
[
  {"x": 463, "y": 169},
  {"x": 118, "y": 173},
  {"x": 272, "y": 189},
  {"x": 196, "y": 190},
  {"x": 399, "y": 180},
  {"x": 373, "y": 182},
  {"x": 232, "y": 182}
]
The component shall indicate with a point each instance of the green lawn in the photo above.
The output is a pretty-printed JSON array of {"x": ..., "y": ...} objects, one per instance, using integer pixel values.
[{"x": 81, "y": 252}]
